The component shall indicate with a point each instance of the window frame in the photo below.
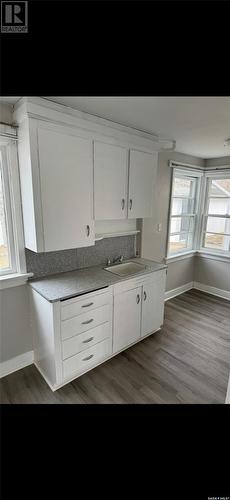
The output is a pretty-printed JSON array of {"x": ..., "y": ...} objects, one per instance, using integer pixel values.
[
  {"x": 198, "y": 176},
  {"x": 12, "y": 199},
  {"x": 208, "y": 177},
  {"x": 8, "y": 213}
]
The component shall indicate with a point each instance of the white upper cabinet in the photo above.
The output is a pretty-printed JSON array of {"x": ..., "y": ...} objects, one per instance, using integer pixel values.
[
  {"x": 57, "y": 188},
  {"x": 74, "y": 170},
  {"x": 110, "y": 181},
  {"x": 142, "y": 176},
  {"x": 123, "y": 191}
]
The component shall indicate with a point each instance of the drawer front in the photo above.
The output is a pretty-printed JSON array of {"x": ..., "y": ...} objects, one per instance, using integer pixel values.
[
  {"x": 138, "y": 281},
  {"x": 74, "y": 307},
  {"x": 85, "y": 340},
  {"x": 84, "y": 322},
  {"x": 87, "y": 359}
]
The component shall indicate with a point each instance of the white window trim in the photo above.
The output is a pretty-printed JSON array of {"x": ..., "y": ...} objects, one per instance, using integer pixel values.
[
  {"x": 17, "y": 275},
  {"x": 213, "y": 172},
  {"x": 188, "y": 172},
  {"x": 205, "y": 250}
]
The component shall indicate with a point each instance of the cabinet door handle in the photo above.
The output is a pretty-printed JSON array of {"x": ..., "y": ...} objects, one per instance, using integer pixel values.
[
  {"x": 87, "y": 305},
  {"x": 88, "y": 357},
  {"x": 87, "y": 322},
  {"x": 145, "y": 295},
  {"x": 130, "y": 204},
  {"x": 123, "y": 203},
  {"x": 138, "y": 298},
  {"x": 88, "y": 340},
  {"x": 87, "y": 230}
]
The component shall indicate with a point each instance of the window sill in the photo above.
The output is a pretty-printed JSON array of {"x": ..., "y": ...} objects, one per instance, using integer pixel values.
[
  {"x": 180, "y": 256},
  {"x": 214, "y": 256},
  {"x": 200, "y": 253},
  {"x": 12, "y": 280}
]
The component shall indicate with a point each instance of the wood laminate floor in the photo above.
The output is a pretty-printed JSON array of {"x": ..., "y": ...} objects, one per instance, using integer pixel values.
[{"x": 188, "y": 361}]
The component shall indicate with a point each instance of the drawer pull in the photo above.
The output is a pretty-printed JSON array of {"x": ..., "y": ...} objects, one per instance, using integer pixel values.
[
  {"x": 88, "y": 357},
  {"x": 138, "y": 298},
  {"x": 87, "y": 340},
  {"x": 87, "y": 305},
  {"x": 87, "y": 322},
  {"x": 145, "y": 295}
]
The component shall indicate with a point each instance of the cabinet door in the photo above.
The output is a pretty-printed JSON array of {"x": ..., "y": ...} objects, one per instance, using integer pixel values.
[
  {"x": 110, "y": 181},
  {"x": 142, "y": 175},
  {"x": 66, "y": 184},
  {"x": 127, "y": 318},
  {"x": 153, "y": 303}
]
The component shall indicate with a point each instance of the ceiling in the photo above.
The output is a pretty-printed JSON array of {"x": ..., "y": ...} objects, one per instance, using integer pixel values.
[{"x": 200, "y": 125}]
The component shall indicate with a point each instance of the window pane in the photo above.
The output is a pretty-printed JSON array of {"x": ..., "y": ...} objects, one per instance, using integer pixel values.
[
  {"x": 180, "y": 242},
  {"x": 219, "y": 206},
  {"x": 218, "y": 225},
  {"x": 220, "y": 187},
  {"x": 218, "y": 241},
  {"x": 182, "y": 206},
  {"x": 4, "y": 247},
  {"x": 179, "y": 224},
  {"x": 183, "y": 187}
]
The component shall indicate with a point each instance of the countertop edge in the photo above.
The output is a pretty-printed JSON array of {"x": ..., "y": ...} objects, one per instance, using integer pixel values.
[{"x": 115, "y": 280}]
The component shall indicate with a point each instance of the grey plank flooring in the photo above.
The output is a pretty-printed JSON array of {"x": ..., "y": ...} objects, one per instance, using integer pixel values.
[{"x": 187, "y": 362}]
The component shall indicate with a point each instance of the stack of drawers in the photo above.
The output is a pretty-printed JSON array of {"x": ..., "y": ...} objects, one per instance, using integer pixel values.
[{"x": 86, "y": 331}]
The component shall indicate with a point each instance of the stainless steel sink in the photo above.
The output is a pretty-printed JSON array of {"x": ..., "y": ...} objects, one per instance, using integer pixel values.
[{"x": 125, "y": 269}]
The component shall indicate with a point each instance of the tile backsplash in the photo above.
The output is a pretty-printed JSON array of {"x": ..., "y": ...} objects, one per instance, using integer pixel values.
[{"x": 43, "y": 264}]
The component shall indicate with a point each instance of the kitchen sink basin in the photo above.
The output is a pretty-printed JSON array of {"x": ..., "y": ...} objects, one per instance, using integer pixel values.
[{"x": 125, "y": 269}]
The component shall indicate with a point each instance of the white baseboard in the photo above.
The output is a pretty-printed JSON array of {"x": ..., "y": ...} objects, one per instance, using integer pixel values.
[
  {"x": 14, "y": 364},
  {"x": 177, "y": 291},
  {"x": 224, "y": 294},
  {"x": 212, "y": 290}
]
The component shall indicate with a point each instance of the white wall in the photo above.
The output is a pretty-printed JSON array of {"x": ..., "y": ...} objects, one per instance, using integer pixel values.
[
  {"x": 217, "y": 162},
  {"x": 15, "y": 331}
]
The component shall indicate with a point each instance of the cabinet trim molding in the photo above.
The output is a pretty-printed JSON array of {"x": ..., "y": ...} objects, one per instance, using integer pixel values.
[{"x": 100, "y": 128}]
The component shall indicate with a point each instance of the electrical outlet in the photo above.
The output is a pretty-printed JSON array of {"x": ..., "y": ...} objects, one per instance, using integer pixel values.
[{"x": 159, "y": 227}]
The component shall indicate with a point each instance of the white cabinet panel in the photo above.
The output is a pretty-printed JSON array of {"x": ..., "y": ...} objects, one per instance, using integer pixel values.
[
  {"x": 153, "y": 303},
  {"x": 110, "y": 181},
  {"x": 66, "y": 183},
  {"x": 127, "y": 318},
  {"x": 142, "y": 174}
]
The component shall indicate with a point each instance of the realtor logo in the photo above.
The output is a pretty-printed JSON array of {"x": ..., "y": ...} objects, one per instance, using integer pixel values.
[{"x": 14, "y": 17}]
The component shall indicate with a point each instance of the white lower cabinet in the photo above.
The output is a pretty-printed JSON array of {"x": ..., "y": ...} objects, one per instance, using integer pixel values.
[
  {"x": 75, "y": 335},
  {"x": 153, "y": 303},
  {"x": 138, "y": 308},
  {"x": 127, "y": 318}
]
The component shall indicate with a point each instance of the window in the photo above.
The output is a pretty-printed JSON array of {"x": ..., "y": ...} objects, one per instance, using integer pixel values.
[
  {"x": 12, "y": 254},
  {"x": 183, "y": 213},
  {"x": 216, "y": 223},
  {"x": 7, "y": 247}
]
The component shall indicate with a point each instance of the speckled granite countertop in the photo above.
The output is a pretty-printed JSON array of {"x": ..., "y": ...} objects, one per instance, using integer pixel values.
[{"x": 72, "y": 283}]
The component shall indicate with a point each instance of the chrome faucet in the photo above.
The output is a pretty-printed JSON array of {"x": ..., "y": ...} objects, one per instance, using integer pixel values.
[{"x": 118, "y": 259}]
